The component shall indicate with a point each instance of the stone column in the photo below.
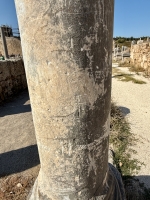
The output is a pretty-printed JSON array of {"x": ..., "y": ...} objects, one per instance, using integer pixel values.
[
  {"x": 4, "y": 43},
  {"x": 67, "y": 49}
]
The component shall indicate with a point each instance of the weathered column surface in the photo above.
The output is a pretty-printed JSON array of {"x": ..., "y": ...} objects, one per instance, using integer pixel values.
[{"x": 67, "y": 52}]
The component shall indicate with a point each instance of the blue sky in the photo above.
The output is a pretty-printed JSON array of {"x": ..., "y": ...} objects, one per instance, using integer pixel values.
[
  {"x": 8, "y": 13},
  {"x": 132, "y": 17}
]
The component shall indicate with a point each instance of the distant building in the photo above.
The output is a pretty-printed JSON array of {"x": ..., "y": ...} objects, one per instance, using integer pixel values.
[{"x": 7, "y": 31}]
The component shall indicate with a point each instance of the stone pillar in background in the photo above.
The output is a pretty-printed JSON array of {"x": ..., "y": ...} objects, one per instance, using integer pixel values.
[
  {"x": 4, "y": 43},
  {"x": 67, "y": 49}
]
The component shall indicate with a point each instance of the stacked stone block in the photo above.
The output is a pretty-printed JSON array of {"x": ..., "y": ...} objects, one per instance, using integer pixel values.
[
  {"x": 12, "y": 78},
  {"x": 13, "y": 45},
  {"x": 140, "y": 55}
]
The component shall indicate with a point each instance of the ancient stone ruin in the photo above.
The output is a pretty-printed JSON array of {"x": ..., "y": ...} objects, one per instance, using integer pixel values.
[
  {"x": 140, "y": 54},
  {"x": 12, "y": 78},
  {"x": 13, "y": 45},
  {"x": 68, "y": 56}
]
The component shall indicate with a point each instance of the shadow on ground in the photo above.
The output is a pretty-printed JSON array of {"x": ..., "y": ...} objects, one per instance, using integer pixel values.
[
  {"x": 10, "y": 108},
  {"x": 18, "y": 160},
  {"x": 124, "y": 110},
  {"x": 135, "y": 189}
]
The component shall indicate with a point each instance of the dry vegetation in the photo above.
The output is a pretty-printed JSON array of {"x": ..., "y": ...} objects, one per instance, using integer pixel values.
[
  {"x": 121, "y": 141},
  {"x": 129, "y": 77},
  {"x": 126, "y": 77},
  {"x": 135, "y": 68}
]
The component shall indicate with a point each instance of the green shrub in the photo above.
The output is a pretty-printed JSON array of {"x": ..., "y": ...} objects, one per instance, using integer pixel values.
[{"x": 121, "y": 40}]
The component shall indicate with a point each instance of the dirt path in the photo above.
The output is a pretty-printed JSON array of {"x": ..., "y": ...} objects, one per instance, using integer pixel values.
[{"x": 134, "y": 101}]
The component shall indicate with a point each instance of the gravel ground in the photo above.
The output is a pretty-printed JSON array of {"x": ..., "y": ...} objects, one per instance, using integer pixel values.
[{"x": 134, "y": 101}]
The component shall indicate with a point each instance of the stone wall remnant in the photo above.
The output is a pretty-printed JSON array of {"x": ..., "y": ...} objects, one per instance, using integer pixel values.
[
  {"x": 140, "y": 55},
  {"x": 12, "y": 78},
  {"x": 13, "y": 46}
]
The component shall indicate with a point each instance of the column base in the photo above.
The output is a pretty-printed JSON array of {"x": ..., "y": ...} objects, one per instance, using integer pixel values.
[{"x": 113, "y": 189}]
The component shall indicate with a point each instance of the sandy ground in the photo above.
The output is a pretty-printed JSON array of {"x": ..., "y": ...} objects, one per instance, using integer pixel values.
[
  {"x": 18, "y": 149},
  {"x": 19, "y": 160},
  {"x": 134, "y": 100}
]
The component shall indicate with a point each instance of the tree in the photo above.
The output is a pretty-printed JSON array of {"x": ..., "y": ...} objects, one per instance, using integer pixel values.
[{"x": 67, "y": 52}]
